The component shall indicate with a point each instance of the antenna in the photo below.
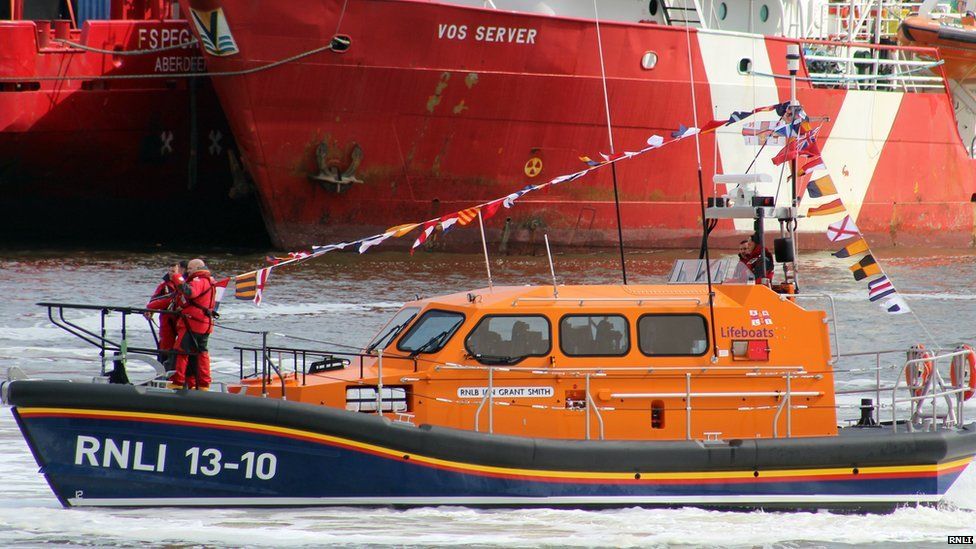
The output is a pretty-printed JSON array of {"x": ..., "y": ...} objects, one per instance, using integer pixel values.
[
  {"x": 552, "y": 270},
  {"x": 613, "y": 166},
  {"x": 484, "y": 246},
  {"x": 701, "y": 200},
  {"x": 793, "y": 65}
]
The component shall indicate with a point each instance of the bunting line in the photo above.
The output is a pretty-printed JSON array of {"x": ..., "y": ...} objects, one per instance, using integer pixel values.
[
  {"x": 802, "y": 143},
  {"x": 251, "y": 287}
]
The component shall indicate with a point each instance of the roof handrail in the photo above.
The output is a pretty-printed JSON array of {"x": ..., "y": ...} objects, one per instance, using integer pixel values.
[{"x": 582, "y": 300}]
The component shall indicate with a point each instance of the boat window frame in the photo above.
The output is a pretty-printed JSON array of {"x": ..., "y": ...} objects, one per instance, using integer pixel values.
[
  {"x": 627, "y": 332},
  {"x": 699, "y": 315},
  {"x": 416, "y": 322},
  {"x": 406, "y": 325},
  {"x": 467, "y": 349}
]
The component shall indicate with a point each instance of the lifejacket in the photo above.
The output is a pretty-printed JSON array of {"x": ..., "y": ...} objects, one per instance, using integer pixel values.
[
  {"x": 164, "y": 298},
  {"x": 197, "y": 298},
  {"x": 754, "y": 262}
]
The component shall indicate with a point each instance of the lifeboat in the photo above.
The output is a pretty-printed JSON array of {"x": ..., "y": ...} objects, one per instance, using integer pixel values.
[
  {"x": 710, "y": 389},
  {"x": 954, "y": 37}
]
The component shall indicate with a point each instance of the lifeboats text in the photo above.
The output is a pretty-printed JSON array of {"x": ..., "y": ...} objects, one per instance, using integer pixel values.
[
  {"x": 732, "y": 331},
  {"x": 511, "y": 35}
]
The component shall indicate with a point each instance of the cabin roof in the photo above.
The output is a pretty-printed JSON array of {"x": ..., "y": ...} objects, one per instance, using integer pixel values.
[{"x": 670, "y": 296}]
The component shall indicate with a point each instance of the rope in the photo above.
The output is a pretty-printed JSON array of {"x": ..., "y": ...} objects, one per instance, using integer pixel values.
[
  {"x": 341, "y": 15},
  {"x": 694, "y": 99},
  {"x": 124, "y": 52},
  {"x": 241, "y": 72},
  {"x": 603, "y": 76}
]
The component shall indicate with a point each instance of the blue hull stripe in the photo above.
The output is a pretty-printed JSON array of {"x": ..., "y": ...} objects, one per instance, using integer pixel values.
[{"x": 98, "y": 461}]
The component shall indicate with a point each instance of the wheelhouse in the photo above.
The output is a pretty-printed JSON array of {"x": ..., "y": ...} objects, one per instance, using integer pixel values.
[{"x": 633, "y": 362}]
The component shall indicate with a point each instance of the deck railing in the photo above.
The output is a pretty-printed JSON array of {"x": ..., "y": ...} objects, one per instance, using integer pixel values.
[
  {"x": 787, "y": 373},
  {"x": 859, "y": 20},
  {"x": 874, "y": 67}
]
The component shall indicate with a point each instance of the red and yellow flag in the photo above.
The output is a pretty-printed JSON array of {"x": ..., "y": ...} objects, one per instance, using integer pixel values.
[
  {"x": 832, "y": 207},
  {"x": 466, "y": 216}
]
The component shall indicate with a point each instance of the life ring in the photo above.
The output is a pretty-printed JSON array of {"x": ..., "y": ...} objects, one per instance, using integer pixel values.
[
  {"x": 963, "y": 372},
  {"x": 917, "y": 375}
]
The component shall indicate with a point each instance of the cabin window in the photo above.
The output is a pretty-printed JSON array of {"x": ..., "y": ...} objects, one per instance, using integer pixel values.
[
  {"x": 652, "y": 7},
  {"x": 745, "y": 66},
  {"x": 431, "y": 332},
  {"x": 723, "y": 11},
  {"x": 594, "y": 335},
  {"x": 672, "y": 335},
  {"x": 392, "y": 328},
  {"x": 764, "y": 13},
  {"x": 507, "y": 339}
]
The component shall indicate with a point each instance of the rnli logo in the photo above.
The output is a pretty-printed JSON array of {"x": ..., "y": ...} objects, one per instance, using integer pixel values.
[{"x": 214, "y": 32}]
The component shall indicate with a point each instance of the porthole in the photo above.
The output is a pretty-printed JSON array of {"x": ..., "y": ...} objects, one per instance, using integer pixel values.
[
  {"x": 652, "y": 7},
  {"x": 723, "y": 11},
  {"x": 649, "y": 60},
  {"x": 764, "y": 13},
  {"x": 745, "y": 65}
]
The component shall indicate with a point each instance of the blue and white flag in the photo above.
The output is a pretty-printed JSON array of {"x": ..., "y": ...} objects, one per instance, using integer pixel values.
[
  {"x": 879, "y": 288},
  {"x": 509, "y": 200},
  {"x": 570, "y": 177},
  {"x": 684, "y": 131},
  {"x": 896, "y": 305}
]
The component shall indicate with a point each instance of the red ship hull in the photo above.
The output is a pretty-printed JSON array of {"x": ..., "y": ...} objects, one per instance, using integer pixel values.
[
  {"x": 445, "y": 122},
  {"x": 90, "y": 151}
]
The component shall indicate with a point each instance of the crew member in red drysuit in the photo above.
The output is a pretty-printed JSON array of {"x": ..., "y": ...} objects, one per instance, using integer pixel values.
[
  {"x": 751, "y": 254},
  {"x": 164, "y": 299},
  {"x": 197, "y": 297}
]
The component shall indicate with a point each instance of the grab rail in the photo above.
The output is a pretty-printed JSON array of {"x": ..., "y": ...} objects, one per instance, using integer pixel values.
[
  {"x": 487, "y": 399},
  {"x": 933, "y": 388},
  {"x": 854, "y": 65},
  {"x": 100, "y": 339},
  {"x": 582, "y": 300}
]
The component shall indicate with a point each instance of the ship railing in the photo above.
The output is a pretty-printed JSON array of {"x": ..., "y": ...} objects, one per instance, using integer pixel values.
[
  {"x": 873, "y": 67},
  {"x": 934, "y": 389},
  {"x": 877, "y": 369},
  {"x": 275, "y": 364},
  {"x": 786, "y": 372},
  {"x": 858, "y": 20},
  {"x": 586, "y": 300},
  {"x": 111, "y": 350},
  {"x": 302, "y": 361}
]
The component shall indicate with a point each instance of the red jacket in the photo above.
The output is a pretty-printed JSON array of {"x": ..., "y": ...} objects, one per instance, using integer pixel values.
[
  {"x": 198, "y": 295},
  {"x": 754, "y": 262},
  {"x": 164, "y": 297}
]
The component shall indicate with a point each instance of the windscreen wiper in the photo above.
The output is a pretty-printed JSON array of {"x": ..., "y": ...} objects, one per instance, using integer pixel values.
[
  {"x": 435, "y": 341},
  {"x": 392, "y": 330}
]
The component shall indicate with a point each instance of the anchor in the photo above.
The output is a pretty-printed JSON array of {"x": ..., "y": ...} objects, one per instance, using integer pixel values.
[{"x": 329, "y": 176}]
